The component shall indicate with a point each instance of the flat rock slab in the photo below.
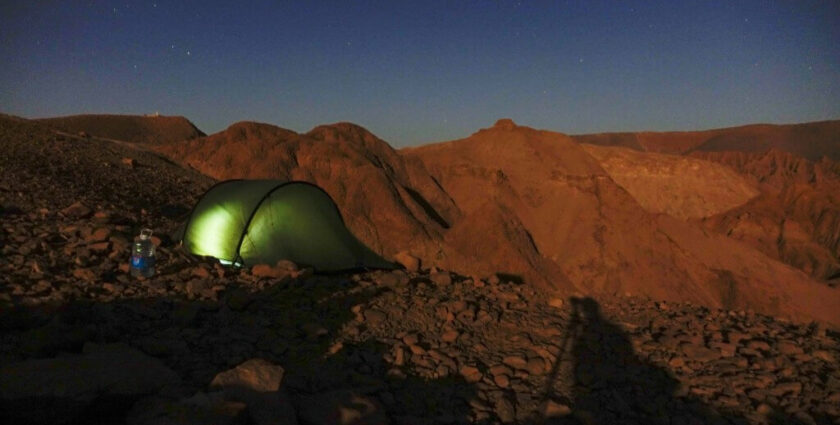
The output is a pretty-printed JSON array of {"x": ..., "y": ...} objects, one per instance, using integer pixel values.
[
  {"x": 56, "y": 390},
  {"x": 342, "y": 407},
  {"x": 199, "y": 410}
]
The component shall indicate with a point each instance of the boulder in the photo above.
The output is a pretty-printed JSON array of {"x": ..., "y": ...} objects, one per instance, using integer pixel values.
[
  {"x": 556, "y": 302},
  {"x": 449, "y": 335},
  {"x": 470, "y": 373},
  {"x": 699, "y": 353},
  {"x": 76, "y": 210},
  {"x": 552, "y": 409},
  {"x": 374, "y": 317},
  {"x": 281, "y": 269},
  {"x": 256, "y": 374},
  {"x": 505, "y": 410},
  {"x": 441, "y": 278},
  {"x": 516, "y": 362},
  {"x": 410, "y": 262},
  {"x": 788, "y": 348},
  {"x": 258, "y": 384}
]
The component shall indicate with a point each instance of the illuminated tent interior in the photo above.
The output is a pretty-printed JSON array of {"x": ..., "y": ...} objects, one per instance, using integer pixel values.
[{"x": 248, "y": 222}]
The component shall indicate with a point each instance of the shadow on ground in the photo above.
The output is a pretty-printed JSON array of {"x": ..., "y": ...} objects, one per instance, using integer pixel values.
[
  {"x": 613, "y": 385},
  {"x": 295, "y": 324}
]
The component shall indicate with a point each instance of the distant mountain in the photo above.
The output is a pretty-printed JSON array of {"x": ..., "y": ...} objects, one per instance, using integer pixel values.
[
  {"x": 796, "y": 218},
  {"x": 808, "y": 140},
  {"x": 149, "y": 129},
  {"x": 785, "y": 206},
  {"x": 597, "y": 235}
]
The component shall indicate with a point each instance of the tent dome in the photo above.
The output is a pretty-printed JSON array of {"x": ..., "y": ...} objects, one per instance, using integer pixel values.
[{"x": 263, "y": 221}]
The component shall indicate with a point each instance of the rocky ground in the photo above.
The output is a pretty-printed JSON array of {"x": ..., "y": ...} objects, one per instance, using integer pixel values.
[{"x": 81, "y": 341}]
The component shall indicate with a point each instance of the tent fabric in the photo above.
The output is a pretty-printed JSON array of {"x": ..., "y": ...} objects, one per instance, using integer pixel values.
[{"x": 263, "y": 221}]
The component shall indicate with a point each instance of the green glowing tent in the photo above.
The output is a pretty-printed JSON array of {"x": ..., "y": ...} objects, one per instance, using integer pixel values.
[{"x": 247, "y": 222}]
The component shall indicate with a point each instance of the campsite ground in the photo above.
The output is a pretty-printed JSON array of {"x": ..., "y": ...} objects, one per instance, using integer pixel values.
[{"x": 81, "y": 341}]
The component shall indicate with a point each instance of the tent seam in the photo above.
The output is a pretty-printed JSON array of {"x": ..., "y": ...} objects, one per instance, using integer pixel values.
[{"x": 198, "y": 202}]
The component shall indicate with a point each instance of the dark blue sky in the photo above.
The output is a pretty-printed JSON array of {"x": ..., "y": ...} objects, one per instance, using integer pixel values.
[{"x": 425, "y": 71}]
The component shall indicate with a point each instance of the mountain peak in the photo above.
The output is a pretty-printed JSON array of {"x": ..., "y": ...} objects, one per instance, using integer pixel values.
[
  {"x": 340, "y": 131},
  {"x": 254, "y": 125},
  {"x": 251, "y": 130},
  {"x": 505, "y": 124}
]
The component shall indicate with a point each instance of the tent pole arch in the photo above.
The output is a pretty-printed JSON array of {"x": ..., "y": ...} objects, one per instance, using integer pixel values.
[{"x": 257, "y": 207}]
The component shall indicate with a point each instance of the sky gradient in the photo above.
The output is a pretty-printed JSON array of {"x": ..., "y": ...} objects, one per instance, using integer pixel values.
[{"x": 417, "y": 72}]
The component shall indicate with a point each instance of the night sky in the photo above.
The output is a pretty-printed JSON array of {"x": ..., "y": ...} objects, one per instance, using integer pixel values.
[{"x": 425, "y": 71}]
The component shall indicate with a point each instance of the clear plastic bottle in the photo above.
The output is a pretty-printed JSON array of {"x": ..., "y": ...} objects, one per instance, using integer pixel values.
[{"x": 143, "y": 255}]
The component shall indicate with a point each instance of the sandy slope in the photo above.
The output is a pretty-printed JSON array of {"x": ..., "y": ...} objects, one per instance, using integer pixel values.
[{"x": 683, "y": 187}]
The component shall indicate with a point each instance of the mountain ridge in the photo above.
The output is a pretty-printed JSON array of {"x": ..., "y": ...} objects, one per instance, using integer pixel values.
[
  {"x": 820, "y": 138},
  {"x": 151, "y": 129}
]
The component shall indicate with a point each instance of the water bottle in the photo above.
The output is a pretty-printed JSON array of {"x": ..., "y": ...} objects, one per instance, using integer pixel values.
[{"x": 143, "y": 255}]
